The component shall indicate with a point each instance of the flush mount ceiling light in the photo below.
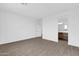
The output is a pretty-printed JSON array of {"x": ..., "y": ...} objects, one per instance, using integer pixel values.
[{"x": 24, "y": 4}]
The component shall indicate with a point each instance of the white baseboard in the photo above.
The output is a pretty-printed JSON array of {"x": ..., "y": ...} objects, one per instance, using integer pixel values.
[
  {"x": 26, "y": 38},
  {"x": 73, "y": 44},
  {"x": 51, "y": 39}
]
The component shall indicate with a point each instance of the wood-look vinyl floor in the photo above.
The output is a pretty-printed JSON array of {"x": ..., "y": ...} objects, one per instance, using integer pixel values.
[{"x": 38, "y": 47}]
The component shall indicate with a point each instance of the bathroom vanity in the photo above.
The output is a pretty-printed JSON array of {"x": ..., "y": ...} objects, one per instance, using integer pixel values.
[{"x": 63, "y": 35}]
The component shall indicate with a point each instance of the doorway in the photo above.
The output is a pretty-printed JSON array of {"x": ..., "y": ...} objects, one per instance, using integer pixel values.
[{"x": 63, "y": 29}]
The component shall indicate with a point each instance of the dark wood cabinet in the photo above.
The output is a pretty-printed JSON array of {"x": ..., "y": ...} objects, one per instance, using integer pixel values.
[{"x": 62, "y": 36}]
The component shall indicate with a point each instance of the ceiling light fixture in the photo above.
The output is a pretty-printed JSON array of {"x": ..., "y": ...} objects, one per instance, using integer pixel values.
[{"x": 24, "y": 3}]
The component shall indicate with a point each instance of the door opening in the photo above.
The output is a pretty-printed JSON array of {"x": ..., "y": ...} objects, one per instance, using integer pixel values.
[{"x": 63, "y": 29}]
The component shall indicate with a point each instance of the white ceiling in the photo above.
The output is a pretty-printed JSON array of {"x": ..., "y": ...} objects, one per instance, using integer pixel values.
[{"x": 38, "y": 10}]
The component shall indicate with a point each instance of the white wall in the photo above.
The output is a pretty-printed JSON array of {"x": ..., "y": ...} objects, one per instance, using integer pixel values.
[
  {"x": 50, "y": 31},
  {"x": 74, "y": 28},
  {"x": 50, "y": 27},
  {"x": 15, "y": 27},
  {"x": 62, "y": 22},
  {"x": 39, "y": 27}
]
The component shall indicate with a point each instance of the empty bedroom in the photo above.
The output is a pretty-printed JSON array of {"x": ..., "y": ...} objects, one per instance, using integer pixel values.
[{"x": 39, "y": 29}]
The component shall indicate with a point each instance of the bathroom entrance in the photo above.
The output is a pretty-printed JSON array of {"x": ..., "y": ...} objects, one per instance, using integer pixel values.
[{"x": 63, "y": 28}]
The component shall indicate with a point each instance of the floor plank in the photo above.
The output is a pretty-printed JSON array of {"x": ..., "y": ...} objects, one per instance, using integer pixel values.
[{"x": 38, "y": 47}]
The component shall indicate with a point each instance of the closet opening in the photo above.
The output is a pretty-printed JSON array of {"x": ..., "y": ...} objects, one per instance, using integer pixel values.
[{"x": 63, "y": 29}]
